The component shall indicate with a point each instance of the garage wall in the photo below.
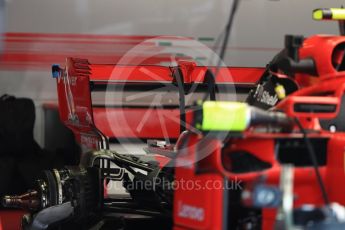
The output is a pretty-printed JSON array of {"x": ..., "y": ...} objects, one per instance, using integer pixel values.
[
  {"x": 258, "y": 30},
  {"x": 260, "y": 25}
]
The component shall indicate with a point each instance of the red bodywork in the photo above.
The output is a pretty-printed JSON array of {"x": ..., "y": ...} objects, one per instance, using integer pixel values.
[
  {"x": 110, "y": 121},
  {"x": 122, "y": 122},
  {"x": 327, "y": 88},
  {"x": 79, "y": 76},
  {"x": 11, "y": 219},
  {"x": 206, "y": 207},
  {"x": 327, "y": 51}
]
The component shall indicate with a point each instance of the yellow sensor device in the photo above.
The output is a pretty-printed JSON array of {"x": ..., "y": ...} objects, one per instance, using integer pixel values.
[
  {"x": 329, "y": 14},
  {"x": 224, "y": 116}
]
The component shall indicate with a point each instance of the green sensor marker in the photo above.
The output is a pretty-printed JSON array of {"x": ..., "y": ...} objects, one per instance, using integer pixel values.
[{"x": 225, "y": 116}]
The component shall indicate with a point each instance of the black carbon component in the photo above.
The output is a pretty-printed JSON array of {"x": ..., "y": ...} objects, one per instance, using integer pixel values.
[{"x": 243, "y": 162}]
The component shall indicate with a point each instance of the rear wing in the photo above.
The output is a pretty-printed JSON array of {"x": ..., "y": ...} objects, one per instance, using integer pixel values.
[{"x": 92, "y": 104}]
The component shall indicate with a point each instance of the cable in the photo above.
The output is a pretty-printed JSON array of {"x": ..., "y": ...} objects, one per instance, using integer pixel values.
[
  {"x": 227, "y": 33},
  {"x": 216, "y": 46},
  {"x": 312, "y": 156},
  {"x": 179, "y": 80},
  {"x": 225, "y": 40}
]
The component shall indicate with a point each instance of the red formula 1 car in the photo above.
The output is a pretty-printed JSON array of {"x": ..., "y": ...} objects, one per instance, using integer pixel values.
[
  {"x": 256, "y": 166},
  {"x": 222, "y": 165},
  {"x": 94, "y": 104}
]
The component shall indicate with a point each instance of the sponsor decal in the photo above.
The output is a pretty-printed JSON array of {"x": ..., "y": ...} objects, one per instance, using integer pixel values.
[
  {"x": 268, "y": 99},
  {"x": 190, "y": 212},
  {"x": 264, "y": 96},
  {"x": 90, "y": 142}
]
